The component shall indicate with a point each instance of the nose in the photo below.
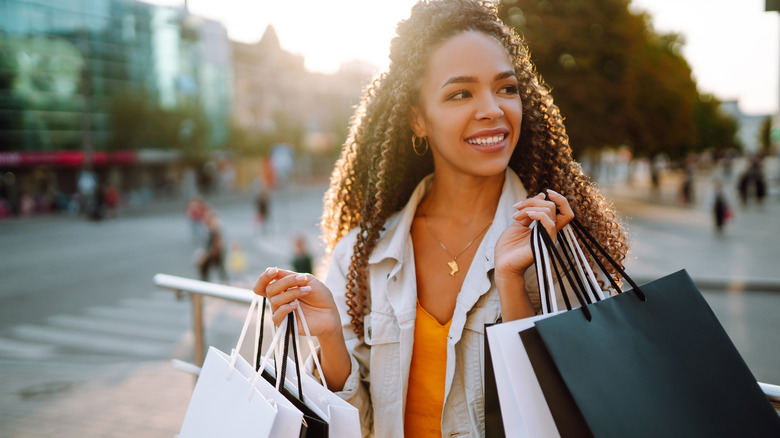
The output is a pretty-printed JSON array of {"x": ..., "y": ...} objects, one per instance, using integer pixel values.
[{"x": 488, "y": 108}]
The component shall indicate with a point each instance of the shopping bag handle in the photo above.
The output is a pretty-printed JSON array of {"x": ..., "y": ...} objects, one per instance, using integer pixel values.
[
  {"x": 312, "y": 349},
  {"x": 290, "y": 335},
  {"x": 582, "y": 231},
  {"x": 542, "y": 238}
]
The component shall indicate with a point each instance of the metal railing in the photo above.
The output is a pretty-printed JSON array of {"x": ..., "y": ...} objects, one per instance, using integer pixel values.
[{"x": 198, "y": 289}]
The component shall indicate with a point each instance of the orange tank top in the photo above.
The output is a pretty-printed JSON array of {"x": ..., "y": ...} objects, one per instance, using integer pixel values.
[{"x": 425, "y": 393}]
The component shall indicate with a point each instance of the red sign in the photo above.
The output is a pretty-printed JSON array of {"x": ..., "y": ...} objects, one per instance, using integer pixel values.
[{"x": 64, "y": 158}]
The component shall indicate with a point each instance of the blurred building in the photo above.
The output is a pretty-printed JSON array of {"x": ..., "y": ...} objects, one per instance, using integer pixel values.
[
  {"x": 278, "y": 101},
  {"x": 66, "y": 65},
  {"x": 749, "y": 125}
]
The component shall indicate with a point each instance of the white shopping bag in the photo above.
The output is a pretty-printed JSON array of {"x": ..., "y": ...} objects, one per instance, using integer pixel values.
[
  {"x": 343, "y": 419},
  {"x": 524, "y": 409},
  {"x": 224, "y": 403},
  {"x": 229, "y": 400}
]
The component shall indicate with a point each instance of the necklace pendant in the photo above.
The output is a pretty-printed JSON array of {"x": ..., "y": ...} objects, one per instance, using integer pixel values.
[{"x": 453, "y": 267}]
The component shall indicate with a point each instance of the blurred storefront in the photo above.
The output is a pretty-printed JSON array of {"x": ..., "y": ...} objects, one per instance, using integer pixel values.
[{"x": 65, "y": 65}]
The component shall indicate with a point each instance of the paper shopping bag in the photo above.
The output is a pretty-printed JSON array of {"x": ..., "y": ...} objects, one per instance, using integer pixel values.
[
  {"x": 224, "y": 403},
  {"x": 315, "y": 423},
  {"x": 289, "y": 419},
  {"x": 662, "y": 366},
  {"x": 343, "y": 419},
  {"x": 653, "y": 361},
  {"x": 521, "y": 404}
]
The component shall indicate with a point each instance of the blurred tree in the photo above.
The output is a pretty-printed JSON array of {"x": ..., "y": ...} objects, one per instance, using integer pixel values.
[
  {"x": 138, "y": 122},
  {"x": 130, "y": 115},
  {"x": 616, "y": 81},
  {"x": 765, "y": 135},
  {"x": 716, "y": 130}
]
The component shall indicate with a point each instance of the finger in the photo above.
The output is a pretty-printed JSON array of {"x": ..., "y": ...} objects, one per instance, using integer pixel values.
[
  {"x": 565, "y": 212},
  {"x": 281, "y": 313},
  {"x": 286, "y": 282},
  {"x": 545, "y": 220},
  {"x": 262, "y": 282},
  {"x": 288, "y": 296}
]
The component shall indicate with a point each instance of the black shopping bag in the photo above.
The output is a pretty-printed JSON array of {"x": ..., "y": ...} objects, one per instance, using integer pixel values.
[
  {"x": 313, "y": 426},
  {"x": 651, "y": 362}
]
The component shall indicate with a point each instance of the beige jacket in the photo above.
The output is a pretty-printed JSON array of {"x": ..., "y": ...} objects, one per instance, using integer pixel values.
[{"x": 380, "y": 362}]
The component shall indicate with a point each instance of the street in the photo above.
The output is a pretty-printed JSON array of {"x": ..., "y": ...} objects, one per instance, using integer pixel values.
[{"x": 81, "y": 323}]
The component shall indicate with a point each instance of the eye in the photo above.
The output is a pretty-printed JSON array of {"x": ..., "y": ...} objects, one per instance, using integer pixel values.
[
  {"x": 460, "y": 95},
  {"x": 510, "y": 89}
]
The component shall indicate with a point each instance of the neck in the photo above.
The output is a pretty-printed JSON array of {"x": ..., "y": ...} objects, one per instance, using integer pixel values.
[{"x": 463, "y": 198}]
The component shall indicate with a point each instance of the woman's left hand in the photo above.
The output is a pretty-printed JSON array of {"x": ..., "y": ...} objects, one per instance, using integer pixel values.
[{"x": 513, "y": 253}]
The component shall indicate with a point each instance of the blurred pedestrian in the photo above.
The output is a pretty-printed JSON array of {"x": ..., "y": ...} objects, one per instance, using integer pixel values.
[
  {"x": 721, "y": 207},
  {"x": 752, "y": 183},
  {"x": 686, "y": 189},
  {"x": 262, "y": 201},
  {"x": 302, "y": 260},
  {"x": 214, "y": 250},
  {"x": 112, "y": 200},
  {"x": 196, "y": 214}
]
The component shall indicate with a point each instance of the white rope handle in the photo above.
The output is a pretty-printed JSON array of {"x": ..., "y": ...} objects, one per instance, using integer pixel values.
[
  {"x": 267, "y": 357},
  {"x": 542, "y": 272},
  {"x": 234, "y": 353},
  {"x": 312, "y": 350},
  {"x": 582, "y": 262}
]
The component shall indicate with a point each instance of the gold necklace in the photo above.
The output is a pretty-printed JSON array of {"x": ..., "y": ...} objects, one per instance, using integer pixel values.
[{"x": 453, "y": 263}]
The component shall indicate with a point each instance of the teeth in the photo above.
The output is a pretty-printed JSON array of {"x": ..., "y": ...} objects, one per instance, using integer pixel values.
[{"x": 481, "y": 141}]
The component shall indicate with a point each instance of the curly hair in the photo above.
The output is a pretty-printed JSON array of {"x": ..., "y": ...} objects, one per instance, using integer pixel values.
[{"x": 378, "y": 170}]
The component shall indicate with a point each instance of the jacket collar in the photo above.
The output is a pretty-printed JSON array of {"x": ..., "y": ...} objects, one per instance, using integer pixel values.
[{"x": 397, "y": 238}]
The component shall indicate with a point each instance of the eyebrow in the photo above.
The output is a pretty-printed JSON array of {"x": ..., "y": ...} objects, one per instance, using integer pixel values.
[{"x": 472, "y": 79}]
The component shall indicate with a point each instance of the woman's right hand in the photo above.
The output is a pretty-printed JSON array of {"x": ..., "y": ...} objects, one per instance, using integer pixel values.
[{"x": 287, "y": 290}]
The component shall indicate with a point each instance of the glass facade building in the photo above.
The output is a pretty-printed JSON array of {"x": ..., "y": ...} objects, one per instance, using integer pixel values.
[{"x": 64, "y": 64}]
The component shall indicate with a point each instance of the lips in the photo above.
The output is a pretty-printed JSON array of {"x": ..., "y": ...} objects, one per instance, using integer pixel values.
[{"x": 486, "y": 141}]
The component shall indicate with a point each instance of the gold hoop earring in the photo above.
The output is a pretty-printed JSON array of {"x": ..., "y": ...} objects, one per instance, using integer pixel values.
[{"x": 417, "y": 142}]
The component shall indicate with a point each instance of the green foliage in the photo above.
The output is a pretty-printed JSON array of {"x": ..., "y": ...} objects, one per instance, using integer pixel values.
[
  {"x": 616, "y": 81},
  {"x": 138, "y": 122},
  {"x": 716, "y": 131},
  {"x": 765, "y": 135}
]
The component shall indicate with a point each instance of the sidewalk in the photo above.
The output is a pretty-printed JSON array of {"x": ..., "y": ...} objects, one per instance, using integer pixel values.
[{"x": 666, "y": 236}]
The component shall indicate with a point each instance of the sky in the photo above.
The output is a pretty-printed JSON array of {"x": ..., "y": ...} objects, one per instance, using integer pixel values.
[{"x": 733, "y": 46}]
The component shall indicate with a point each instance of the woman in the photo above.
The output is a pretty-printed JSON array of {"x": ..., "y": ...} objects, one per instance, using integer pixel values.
[{"x": 427, "y": 222}]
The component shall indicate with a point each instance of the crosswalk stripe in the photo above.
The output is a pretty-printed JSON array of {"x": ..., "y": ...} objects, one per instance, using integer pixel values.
[
  {"x": 169, "y": 305},
  {"x": 153, "y": 317},
  {"x": 91, "y": 341},
  {"x": 24, "y": 350},
  {"x": 116, "y": 327}
]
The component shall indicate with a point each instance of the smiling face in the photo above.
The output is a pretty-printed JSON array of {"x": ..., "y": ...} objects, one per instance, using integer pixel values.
[{"x": 470, "y": 108}]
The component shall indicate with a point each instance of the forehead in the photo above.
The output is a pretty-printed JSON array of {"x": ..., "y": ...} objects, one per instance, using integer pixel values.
[{"x": 471, "y": 53}]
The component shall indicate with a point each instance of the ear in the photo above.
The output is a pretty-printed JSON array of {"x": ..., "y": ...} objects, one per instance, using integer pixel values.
[{"x": 417, "y": 122}]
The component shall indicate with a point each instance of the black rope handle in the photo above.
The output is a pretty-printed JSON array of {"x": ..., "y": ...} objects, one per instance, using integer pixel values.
[
  {"x": 291, "y": 322},
  {"x": 551, "y": 247},
  {"x": 290, "y": 334},
  {"x": 581, "y": 231},
  {"x": 259, "y": 357}
]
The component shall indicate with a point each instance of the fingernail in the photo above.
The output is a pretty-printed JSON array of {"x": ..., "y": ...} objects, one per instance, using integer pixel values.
[
  {"x": 305, "y": 289},
  {"x": 300, "y": 277},
  {"x": 294, "y": 304},
  {"x": 516, "y": 215},
  {"x": 272, "y": 271},
  {"x": 552, "y": 191}
]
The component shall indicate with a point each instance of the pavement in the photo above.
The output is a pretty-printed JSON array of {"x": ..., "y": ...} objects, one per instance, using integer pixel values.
[{"x": 149, "y": 399}]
